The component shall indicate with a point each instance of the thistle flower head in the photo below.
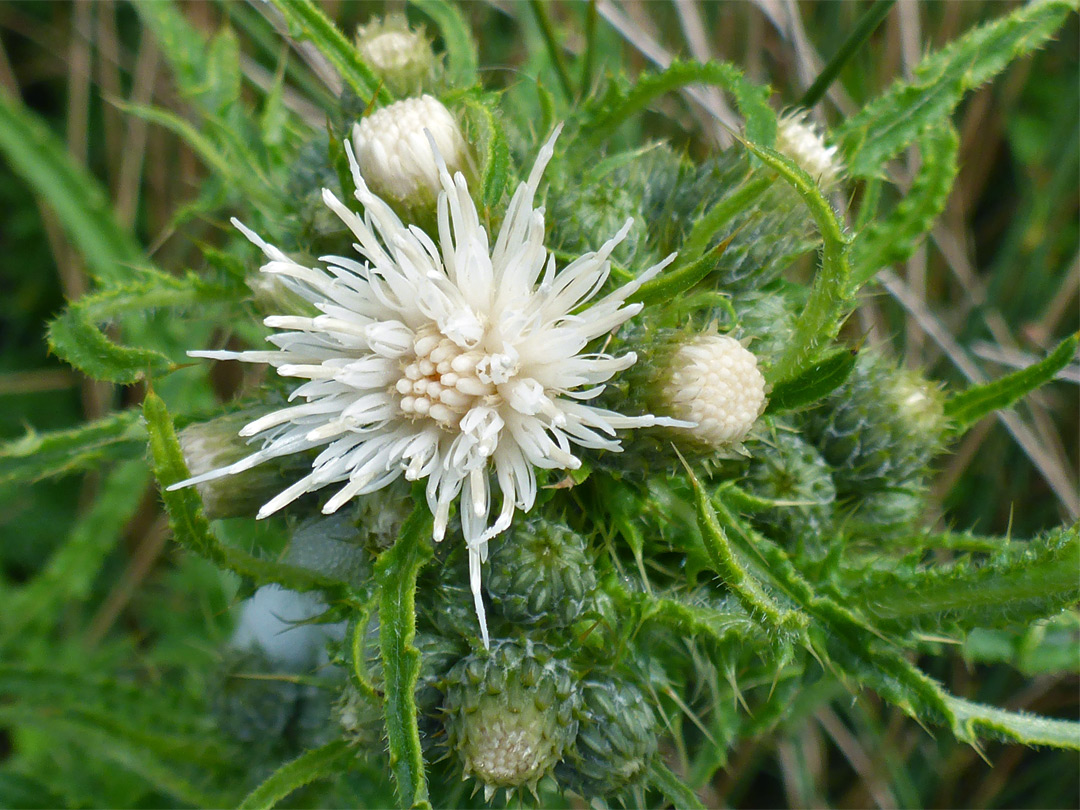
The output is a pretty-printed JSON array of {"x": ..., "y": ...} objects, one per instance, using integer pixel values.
[
  {"x": 395, "y": 156},
  {"x": 801, "y": 141},
  {"x": 453, "y": 362},
  {"x": 400, "y": 56},
  {"x": 715, "y": 383}
]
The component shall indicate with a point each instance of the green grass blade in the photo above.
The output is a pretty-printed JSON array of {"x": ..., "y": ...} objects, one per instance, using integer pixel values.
[
  {"x": 71, "y": 570},
  {"x": 80, "y": 202},
  {"x": 396, "y": 573},
  {"x": 324, "y": 762},
  {"x": 968, "y": 407}
]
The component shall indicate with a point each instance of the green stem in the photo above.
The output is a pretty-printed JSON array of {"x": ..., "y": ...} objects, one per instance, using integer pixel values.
[
  {"x": 590, "y": 43},
  {"x": 548, "y": 33},
  {"x": 863, "y": 29}
]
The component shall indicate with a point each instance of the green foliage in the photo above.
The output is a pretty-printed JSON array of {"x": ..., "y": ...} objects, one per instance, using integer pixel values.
[
  {"x": 306, "y": 21},
  {"x": 966, "y": 408},
  {"x": 318, "y": 763},
  {"x": 652, "y": 622},
  {"x": 618, "y": 106},
  {"x": 908, "y": 109},
  {"x": 460, "y": 47},
  {"x": 894, "y": 238},
  {"x": 112, "y": 255},
  {"x": 36, "y": 456},
  {"x": 396, "y": 575}
]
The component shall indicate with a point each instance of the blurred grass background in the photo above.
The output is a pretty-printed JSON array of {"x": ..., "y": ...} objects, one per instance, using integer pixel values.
[{"x": 995, "y": 286}]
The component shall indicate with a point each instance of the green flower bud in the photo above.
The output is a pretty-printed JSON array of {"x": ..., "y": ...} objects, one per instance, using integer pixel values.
[
  {"x": 539, "y": 572},
  {"x": 880, "y": 429},
  {"x": 788, "y": 469},
  {"x": 510, "y": 713},
  {"x": 616, "y": 740}
]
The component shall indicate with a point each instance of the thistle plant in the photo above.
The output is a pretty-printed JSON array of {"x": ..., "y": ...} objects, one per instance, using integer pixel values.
[{"x": 558, "y": 464}]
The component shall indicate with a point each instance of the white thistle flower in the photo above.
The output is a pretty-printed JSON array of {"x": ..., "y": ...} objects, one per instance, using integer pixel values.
[
  {"x": 800, "y": 140},
  {"x": 394, "y": 155},
  {"x": 715, "y": 383},
  {"x": 444, "y": 363}
]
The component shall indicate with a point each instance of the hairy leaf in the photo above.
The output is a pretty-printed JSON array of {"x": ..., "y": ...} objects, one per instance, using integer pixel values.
[
  {"x": 306, "y": 20},
  {"x": 36, "y": 456},
  {"x": 1021, "y": 583},
  {"x": 831, "y": 297},
  {"x": 191, "y": 528},
  {"x": 396, "y": 573},
  {"x": 752, "y": 99},
  {"x": 812, "y": 384},
  {"x": 968, "y": 407},
  {"x": 894, "y": 238},
  {"x": 324, "y": 762},
  {"x": 907, "y": 109}
]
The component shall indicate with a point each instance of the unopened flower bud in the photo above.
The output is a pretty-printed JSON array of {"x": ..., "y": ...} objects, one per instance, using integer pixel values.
[
  {"x": 210, "y": 445},
  {"x": 510, "y": 713},
  {"x": 395, "y": 156},
  {"x": 714, "y": 382},
  {"x": 801, "y": 141},
  {"x": 400, "y": 56}
]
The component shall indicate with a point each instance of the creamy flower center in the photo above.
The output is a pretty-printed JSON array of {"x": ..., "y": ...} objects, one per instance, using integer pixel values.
[{"x": 443, "y": 381}]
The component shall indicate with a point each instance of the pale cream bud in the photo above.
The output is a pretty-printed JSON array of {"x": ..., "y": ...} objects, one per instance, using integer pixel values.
[
  {"x": 394, "y": 154},
  {"x": 715, "y": 383},
  {"x": 801, "y": 141}
]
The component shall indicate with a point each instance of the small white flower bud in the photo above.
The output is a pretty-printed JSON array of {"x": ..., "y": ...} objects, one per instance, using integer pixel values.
[
  {"x": 394, "y": 154},
  {"x": 210, "y": 445},
  {"x": 715, "y": 383},
  {"x": 801, "y": 141},
  {"x": 400, "y": 56}
]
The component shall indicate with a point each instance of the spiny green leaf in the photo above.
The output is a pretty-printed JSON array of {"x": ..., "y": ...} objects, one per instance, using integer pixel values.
[
  {"x": 813, "y": 384},
  {"x": 307, "y": 21},
  {"x": 189, "y": 525},
  {"x": 460, "y": 48},
  {"x": 726, "y": 563},
  {"x": 76, "y": 337},
  {"x": 752, "y": 99},
  {"x": 1027, "y": 729},
  {"x": 1024, "y": 582},
  {"x": 831, "y": 298},
  {"x": 893, "y": 239},
  {"x": 36, "y": 455},
  {"x": 900, "y": 115},
  {"x": 396, "y": 572},
  {"x": 496, "y": 158},
  {"x": 223, "y": 71},
  {"x": 324, "y": 762},
  {"x": 968, "y": 407},
  {"x": 81, "y": 205}
]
